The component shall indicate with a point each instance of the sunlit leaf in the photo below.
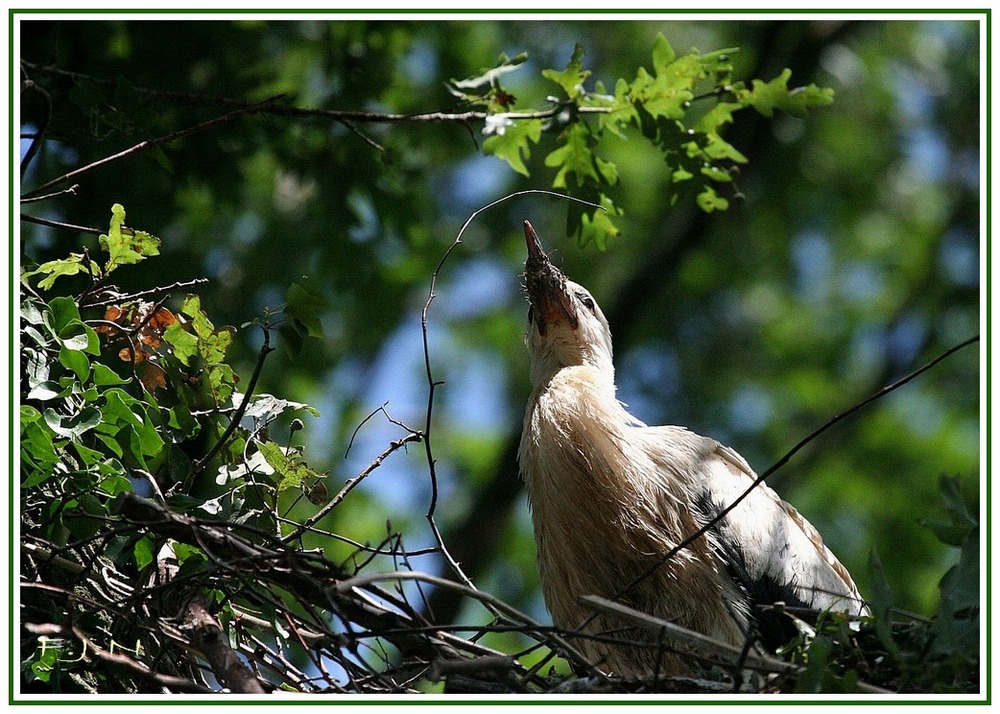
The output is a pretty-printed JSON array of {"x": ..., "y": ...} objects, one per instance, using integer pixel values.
[
  {"x": 573, "y": 157},
  {"x": 514, "y": 145},
  {"x": 572, "y": 78},
  {"x": 124, "y": 245}
]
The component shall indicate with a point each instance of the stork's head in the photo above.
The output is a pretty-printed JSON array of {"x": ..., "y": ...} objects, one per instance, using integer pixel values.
[{"x": 566, "y": 327}]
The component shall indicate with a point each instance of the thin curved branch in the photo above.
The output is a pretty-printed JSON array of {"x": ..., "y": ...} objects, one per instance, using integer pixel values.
[{"x": 433, "y": 384}]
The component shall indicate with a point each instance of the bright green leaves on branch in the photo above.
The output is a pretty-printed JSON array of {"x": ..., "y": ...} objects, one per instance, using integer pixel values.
[
  {"x": 668, "y": 107},
  {"x": 124, "y": 246},
  {"x": 575, "y": 157},
  {"x": 197, "y": 343},
  {"x": 139, "y": 392}
]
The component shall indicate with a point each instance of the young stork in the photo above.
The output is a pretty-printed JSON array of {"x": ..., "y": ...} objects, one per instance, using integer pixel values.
[{"x": 610, "y": 497}]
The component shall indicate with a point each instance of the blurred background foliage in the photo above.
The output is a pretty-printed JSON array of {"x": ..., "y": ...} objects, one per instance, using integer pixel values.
[{"x": 849, "y": 256}]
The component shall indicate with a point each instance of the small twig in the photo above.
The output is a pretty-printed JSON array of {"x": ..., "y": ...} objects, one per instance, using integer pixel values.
[
  {"x": 150, "y": 143},
  {"x": 131, "y": 666},
  {"x": 117, "y": 299},
  {"x": 492, "y": 603},
  {"x": 71, "y": 190},
  {"x": 364, "y": 137},
  {"x": 364, "y": 421},
  {"x": 58, "y": 224},
  {"x": 199, "y": 465},
  {"x": 351, "y": 484},
  {"x": 36, "y": 141}
]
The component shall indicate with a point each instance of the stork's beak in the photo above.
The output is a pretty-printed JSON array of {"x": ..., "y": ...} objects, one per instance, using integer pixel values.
[{"x": 546, "y": 286}]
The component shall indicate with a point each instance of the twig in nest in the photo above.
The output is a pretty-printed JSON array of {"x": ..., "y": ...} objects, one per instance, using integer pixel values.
[{"x": 701, "y": 643}]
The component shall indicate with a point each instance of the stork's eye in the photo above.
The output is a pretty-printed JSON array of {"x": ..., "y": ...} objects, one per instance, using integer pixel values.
[{"x": 588, "y": 302}]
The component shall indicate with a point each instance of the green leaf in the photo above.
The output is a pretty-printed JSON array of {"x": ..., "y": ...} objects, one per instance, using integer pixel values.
[
  {"x": 514, "y": 145},
  {"x": 717, "y": 149},
  {"x": 716, "y": 117},
  {"x": 72, "y": 427},
  {"x": 881, "y": 601},
  {"x": 222, "y": 381},
  {"x": 573, "y": 157},
  {"x": 63, "y": 267},
  {"x": 38, "y": 452},
  {"x": 288, "y": 465},
  {"x": 62, "y": 311},
  {"x": 104, "y": 376},
  {"x": 80, "y": 337},
  {"x": 36, "y": 366},
  {"x": 708, "y": 200},
  {"x": 663, "y": 53},
  {"x": 598, "y": 226},
  {"x": 954, "y": 531},
  {"x": 306, "y": 305},
  {"x": 136, "y": 431},
  {"x": 267, "y": 407},
  {"x": 126, "y": 246},
  {"x": 214, "y": 345},
  {"x": 76, "y": 361},
  {"x": 622, "y": 110},
  {"x": 572, "y": 78},
  {"x": 666, "y": 94},
  {"x": 184, "y": 344},
  {"x": 143, "y": 552},
  {"x": 765, "y": 97},
  {"x": 184, "y": 425},
  {"x": 293, "y": 336}
]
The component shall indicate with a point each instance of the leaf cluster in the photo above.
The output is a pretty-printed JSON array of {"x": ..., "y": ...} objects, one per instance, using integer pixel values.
[
  {"x": 666, "y": 105},
  {"x": 121, "y": 395}
]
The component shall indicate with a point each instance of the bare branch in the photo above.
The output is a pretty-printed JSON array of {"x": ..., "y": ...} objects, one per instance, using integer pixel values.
[
  {"x": 208, "y": 636},
  {"x": 119, "y": 298},
  {"x": 71, "y": 190},
  {"x": 59, "y": 224},
  {"x": 150, "y": 143},
  {"x": 351, "y": 484}
]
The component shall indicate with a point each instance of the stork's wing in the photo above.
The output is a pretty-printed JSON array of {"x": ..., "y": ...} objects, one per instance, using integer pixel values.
[
  {"x": 774, "y": 553},
  {"x": 783, "y": 554}
]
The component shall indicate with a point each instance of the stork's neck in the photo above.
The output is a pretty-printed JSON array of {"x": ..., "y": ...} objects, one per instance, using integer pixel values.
[{"x": 599, "y": 379}]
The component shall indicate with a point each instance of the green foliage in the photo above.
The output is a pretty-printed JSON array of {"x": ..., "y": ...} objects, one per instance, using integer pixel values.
[
  {"x": 660, "y": 105},
  {"x": 131, "y": 397}
]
